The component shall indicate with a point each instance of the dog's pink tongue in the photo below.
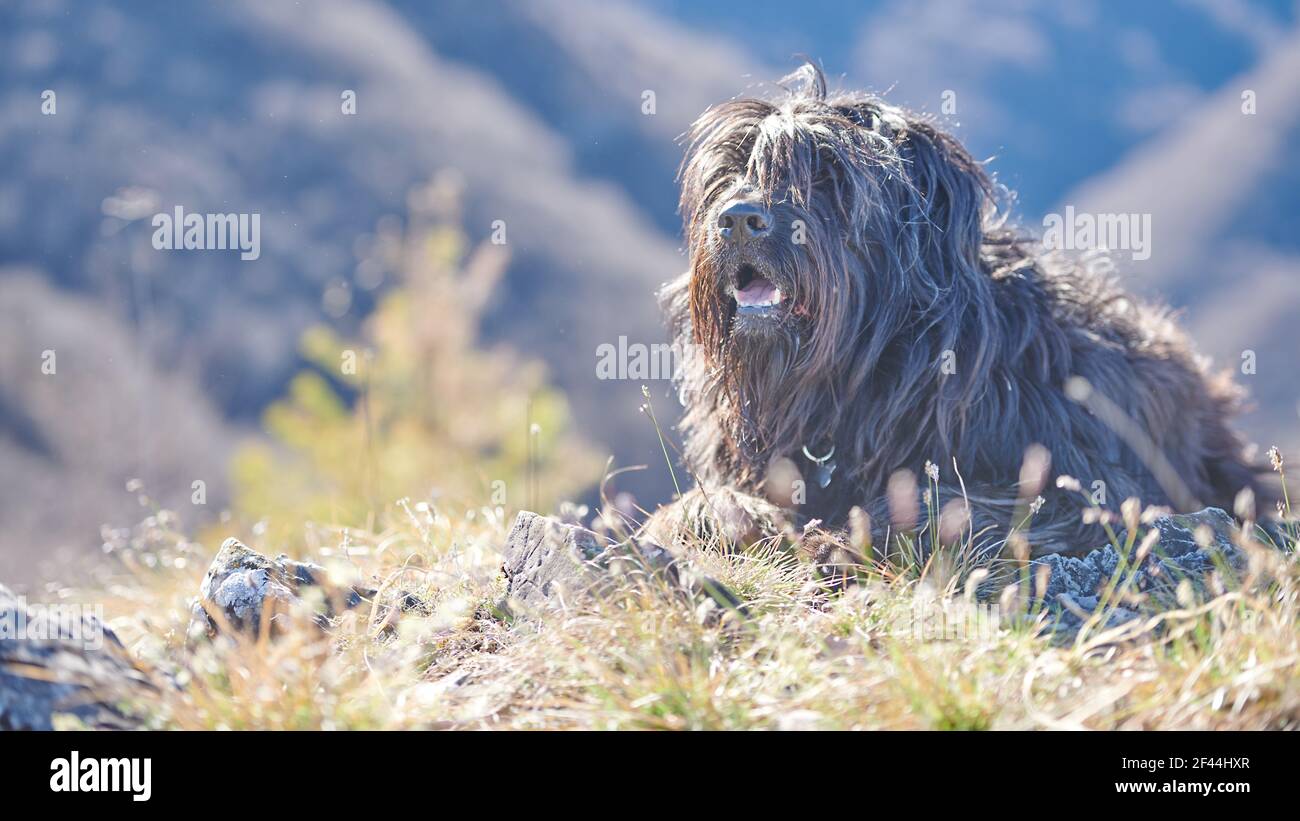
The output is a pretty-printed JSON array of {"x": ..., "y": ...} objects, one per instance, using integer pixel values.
[{"x": 758, "y": 292}]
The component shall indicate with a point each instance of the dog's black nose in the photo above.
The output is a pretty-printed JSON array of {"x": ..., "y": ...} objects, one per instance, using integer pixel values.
[{"x": 743, "y": 220}]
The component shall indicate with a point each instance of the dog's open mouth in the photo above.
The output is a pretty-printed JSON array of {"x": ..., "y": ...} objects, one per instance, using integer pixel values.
[{"x": 755, "y": 294}]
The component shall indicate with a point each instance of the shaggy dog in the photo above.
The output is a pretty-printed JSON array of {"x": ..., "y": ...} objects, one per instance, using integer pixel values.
[{"x": 857, "y": 313}]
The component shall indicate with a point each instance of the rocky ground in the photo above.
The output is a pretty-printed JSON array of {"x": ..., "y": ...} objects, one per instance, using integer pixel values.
[{"x": 550, "y": 624}]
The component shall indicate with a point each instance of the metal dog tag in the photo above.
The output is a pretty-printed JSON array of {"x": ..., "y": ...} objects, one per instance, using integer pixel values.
[{"x": 824, "y": 472}]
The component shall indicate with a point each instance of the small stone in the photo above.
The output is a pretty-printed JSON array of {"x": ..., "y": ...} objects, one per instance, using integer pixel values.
[
  {"x": 1176, "y": 556},
  {"x": 241, "y": 585}
]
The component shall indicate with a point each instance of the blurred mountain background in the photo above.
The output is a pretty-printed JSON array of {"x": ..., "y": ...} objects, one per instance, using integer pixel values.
[{"x": 167, "y": 359}]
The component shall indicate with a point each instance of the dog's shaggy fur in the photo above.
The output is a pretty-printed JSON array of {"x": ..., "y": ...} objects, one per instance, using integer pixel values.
[{"x": 916, "y": 326}]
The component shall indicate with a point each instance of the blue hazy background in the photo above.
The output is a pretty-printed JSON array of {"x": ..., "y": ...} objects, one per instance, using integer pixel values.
[{"x": 537, "y": 107}]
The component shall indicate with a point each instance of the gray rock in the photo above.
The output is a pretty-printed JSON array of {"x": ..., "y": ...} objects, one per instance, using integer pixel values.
[
  {"x": 67, "y": 663},
  {"x": 242, "y": 585},
  {"x": 549, "y": 564},
  {"x": 1078, "y": 581}
]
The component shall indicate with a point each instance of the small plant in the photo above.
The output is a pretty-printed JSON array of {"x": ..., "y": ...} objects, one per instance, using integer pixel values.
[{"x": 413, "y": 408}]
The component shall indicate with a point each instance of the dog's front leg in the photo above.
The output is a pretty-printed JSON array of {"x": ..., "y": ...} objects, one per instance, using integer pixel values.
[{"x": 717, "y": 518}]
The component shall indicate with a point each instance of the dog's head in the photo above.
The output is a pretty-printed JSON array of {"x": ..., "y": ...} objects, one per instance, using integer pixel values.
[{"x": 820, "y": 229}]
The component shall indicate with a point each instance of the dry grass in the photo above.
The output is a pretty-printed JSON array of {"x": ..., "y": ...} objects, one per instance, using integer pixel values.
[{"x": 805, "y": 658}]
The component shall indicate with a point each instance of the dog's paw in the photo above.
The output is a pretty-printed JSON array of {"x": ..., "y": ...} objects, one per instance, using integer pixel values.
[
  {"x": 718, "y": 518},
  {"x": 834, "y": 562}
]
